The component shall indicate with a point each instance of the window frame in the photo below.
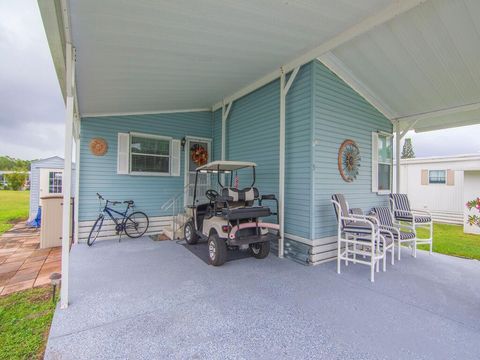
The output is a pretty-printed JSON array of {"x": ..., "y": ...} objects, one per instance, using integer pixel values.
[
  {"x": 55, "y": 184},
  {"x": 155, "y": 137},
  {"x": 389, "y": 137},
  {"x": 438, "y": 183}
]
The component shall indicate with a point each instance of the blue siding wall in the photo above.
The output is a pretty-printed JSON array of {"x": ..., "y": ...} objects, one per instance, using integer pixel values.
[
  {"x": 253, "y": 135},
  {"x": 99, "y": 173},
  {"x": 340, "y": 113}
]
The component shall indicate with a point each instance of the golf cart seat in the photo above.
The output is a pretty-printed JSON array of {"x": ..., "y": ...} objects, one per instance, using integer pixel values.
[{"x": 241, "y": 198}]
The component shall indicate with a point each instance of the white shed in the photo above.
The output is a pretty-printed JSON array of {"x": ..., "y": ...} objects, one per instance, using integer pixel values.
[
  {"x": 45, "y": 179},
  {"x": 438, "y": 184}
]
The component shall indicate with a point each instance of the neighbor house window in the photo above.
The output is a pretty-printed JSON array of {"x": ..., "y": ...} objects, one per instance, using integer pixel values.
[
  {"x": 149, "y": 154},
  {"x": 437, "y": 177},
  {"x": 55, "y": 182},
  {"x": 382, "y": 161}
]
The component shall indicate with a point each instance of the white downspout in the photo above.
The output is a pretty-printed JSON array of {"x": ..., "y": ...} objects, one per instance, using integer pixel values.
[{"x": 281, "y": 166}]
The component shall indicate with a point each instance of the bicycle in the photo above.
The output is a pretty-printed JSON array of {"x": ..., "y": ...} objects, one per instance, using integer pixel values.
[{"x": 134, "y": 225}]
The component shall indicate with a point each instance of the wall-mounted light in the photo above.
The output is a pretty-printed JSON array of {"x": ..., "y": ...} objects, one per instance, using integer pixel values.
[{"x": 183, "y": 142}]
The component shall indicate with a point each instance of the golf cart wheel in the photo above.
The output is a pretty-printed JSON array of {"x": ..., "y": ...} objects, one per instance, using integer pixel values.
[
  {"x": 217, "y": 250},
  {"x": 260, "y": 250},
  {"x": 191, "y": 236}
]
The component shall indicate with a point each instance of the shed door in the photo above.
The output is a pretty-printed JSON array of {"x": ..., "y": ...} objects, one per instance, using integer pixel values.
[
  {"x": 197, "y": 153},
  {"x": 50, "y": 182}
]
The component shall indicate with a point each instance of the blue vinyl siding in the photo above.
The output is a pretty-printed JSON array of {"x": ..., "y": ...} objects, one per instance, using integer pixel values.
[
  {"x": 99, "y": 173},
  {"x": 253, "y": 135},
  {"x": 340, "y": 113}
]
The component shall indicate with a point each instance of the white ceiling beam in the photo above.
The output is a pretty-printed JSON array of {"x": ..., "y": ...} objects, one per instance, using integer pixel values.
[
  {"x": 388, "y": 13},
  {"x": 406, "y": 120},
  {"x": 343, "y": 72}
]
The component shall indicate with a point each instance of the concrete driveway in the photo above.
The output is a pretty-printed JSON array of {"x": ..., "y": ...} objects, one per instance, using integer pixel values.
[{"x": 141, "y": 299}]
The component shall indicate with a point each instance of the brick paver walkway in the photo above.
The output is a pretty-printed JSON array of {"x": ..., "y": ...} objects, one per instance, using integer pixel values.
[{"x": 23, "y": 264}]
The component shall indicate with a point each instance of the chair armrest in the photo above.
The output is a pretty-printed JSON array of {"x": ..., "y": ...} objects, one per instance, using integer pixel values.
[{"x": 422, "y": 212}]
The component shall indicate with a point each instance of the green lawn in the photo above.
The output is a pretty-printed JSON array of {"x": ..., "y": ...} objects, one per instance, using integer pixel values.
[
  {"x": 25, "y": 319},
  {"x": 450, "y": 240},
  {"x": 14, "y": 206}
]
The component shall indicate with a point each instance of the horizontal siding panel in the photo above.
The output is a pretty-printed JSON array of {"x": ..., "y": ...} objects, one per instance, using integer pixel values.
[
  {"x": 99, "y": 173},
  {"x": 339, "y": 114}
]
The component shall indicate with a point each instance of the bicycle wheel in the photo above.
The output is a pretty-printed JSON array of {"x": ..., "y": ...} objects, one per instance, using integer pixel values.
[
  {"x": 95, "y": 230},
  {"x": 136, "y": 224}
]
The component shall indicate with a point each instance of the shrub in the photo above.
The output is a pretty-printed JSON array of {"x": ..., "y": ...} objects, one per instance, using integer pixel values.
[{"x": 16, "y": 180}]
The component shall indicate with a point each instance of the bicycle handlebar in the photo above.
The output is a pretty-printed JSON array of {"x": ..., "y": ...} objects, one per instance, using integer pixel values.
[{"x": 108, "y": 201}]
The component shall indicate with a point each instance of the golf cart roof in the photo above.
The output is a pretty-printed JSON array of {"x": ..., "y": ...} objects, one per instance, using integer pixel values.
[{"x": 223, "y": 165}]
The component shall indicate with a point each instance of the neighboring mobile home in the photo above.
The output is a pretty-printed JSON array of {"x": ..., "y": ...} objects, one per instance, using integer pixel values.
[
  {"x": 288, "y": 85},
  {"x": 45, "y": 180},
  {"x": 437, "y": 184}
]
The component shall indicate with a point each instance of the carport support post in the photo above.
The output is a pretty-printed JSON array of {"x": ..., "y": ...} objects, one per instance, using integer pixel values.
[
  {"x": 284, "y": 87},
  {"x": 67, "y": 174},
  {"x": 397, "y": 155}
]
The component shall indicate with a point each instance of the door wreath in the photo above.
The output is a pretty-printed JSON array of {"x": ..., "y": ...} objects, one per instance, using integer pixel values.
[{"x": 199, "y": 154}]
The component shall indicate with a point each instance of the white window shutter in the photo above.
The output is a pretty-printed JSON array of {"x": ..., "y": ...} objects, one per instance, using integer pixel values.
[
  {"x": 175, "y": 158},
  {"x": 424, "y": 179},
  {"x": 374, "y": 162},
  {"x": 123, "y": 158},
  {"x": 450, "y": 177}
]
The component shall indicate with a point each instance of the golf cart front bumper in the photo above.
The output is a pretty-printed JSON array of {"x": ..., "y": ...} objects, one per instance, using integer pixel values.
[{"x": 252, "y": 239}]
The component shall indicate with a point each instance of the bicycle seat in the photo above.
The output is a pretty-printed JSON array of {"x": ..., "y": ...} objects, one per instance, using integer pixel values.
[{"x": 129, "y": 202}]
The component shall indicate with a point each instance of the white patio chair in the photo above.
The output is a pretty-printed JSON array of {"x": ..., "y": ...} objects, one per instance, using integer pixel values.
[
  {"x": 400, "y": 233},
  {"x": 357, "y": 235},
  {"x": 402, "y": 213}
]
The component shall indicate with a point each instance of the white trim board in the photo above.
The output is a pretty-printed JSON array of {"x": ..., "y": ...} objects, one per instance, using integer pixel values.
[
  {"x": 146, "y": 112},
  {"x": 312, "y": 242}
]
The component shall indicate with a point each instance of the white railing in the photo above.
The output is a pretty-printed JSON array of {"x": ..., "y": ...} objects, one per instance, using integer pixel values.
[{"x": 176, "y": 204}]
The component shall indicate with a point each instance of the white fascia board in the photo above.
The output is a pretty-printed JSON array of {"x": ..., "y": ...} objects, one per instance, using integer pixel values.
[
  {"x": 388, "y": 13},
  {"x": 437, "y": 159},
  {"x": 145, "y": 112},
  {"x": 343, "y": 72},
  {"x": 52, "y": 19}
]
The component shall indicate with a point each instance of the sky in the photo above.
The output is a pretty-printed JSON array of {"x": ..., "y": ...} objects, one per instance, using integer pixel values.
[{"x": 32, "y": 111}]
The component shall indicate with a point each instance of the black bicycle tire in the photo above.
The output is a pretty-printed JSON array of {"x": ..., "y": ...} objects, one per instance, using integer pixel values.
[
  {"x": 146, "y": 228},
  {"x": 89, "y": 242}
]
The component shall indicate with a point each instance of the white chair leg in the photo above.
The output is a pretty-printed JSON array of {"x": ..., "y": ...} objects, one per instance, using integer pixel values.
[
  {"x": 372, "y": 271},
  {"x": 399, "y": 249},
  {"x": 393, "y": 253},
  {"x": 431, "y": 238},
  {"x": 338, "y": 256},
  {"x": 384, "y": 260},
  {"x": 415, "y": 249}
]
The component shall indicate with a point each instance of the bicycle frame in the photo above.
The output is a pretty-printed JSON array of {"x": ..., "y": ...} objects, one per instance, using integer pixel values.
[{"x": 108, "y": 210}]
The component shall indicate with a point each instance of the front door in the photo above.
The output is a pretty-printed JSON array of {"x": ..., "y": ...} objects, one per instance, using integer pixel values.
[{"x": 197, "y": 153}]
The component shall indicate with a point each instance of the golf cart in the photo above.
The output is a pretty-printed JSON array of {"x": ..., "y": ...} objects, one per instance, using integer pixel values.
[{"x": 230, "y": 218}]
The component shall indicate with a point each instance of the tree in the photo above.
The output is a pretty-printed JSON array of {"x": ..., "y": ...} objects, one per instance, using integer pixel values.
[
  {"x": 16, "y": 180},
  {"x": 11, "y": 164},
  {"x": 407, "y": 151}
]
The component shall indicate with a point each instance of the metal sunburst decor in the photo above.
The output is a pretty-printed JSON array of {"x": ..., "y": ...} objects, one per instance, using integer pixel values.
[{"x": 349, "y": 160}]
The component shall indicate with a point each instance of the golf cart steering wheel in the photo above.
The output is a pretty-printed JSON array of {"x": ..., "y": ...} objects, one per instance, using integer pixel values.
[{"x": 211, "y": 195}]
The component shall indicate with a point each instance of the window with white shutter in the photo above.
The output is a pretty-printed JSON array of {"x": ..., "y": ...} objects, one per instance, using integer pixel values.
[
  {"x": 382, "y": 162},
  {"x": 148, "y": 154}
]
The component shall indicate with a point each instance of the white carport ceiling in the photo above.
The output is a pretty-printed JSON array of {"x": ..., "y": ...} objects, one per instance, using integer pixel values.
[
  {"x": 147, "y": 56},
  {"x": 425, "y": 60}
]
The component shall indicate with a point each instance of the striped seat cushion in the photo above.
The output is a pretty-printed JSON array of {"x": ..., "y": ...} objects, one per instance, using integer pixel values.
[
  {"x": 383, "y": 215},
  {"x": 357, "y": 227},
  {"x": 402, "y": 210},
  {"x": 404, "y": 235}
]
